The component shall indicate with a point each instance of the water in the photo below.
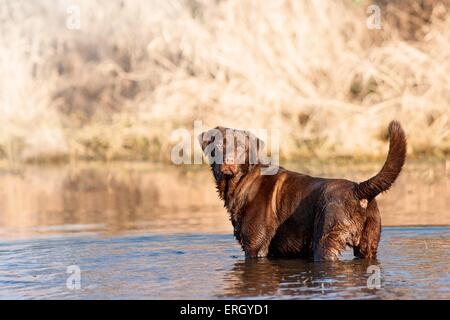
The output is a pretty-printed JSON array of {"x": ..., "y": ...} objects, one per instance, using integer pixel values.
[
  {"x": 140, "y": 232},
  {"x": 413, "y": 263}
]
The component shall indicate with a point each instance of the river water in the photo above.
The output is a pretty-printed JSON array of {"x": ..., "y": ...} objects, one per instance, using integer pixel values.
[{"x": 140, "y": 231}]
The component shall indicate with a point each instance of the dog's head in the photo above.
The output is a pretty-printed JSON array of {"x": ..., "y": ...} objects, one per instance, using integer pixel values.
[{"x": 230, "y": 151}]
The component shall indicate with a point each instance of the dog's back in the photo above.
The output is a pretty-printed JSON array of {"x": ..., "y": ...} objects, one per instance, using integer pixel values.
[{"x": 291, "y": 214}]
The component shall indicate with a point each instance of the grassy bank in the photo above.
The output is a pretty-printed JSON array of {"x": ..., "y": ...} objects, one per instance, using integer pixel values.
[{"x": 117, "y": 87}]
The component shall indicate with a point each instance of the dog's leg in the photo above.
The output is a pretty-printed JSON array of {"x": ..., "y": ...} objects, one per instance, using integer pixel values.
[
  {"x": 330, "y": 246},
  {"x": 330, "y": 235},
  {"x": 368, "y": 244},
  {"x": 256, "y": 241}
]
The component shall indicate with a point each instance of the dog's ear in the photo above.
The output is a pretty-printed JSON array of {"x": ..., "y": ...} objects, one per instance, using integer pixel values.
[
  {"x": 208, "y": 137},
  {"x": 204, "y": 140}
]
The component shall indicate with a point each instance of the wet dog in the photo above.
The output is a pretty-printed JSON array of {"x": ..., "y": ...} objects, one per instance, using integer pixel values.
[{"x": 291, "y": 214}]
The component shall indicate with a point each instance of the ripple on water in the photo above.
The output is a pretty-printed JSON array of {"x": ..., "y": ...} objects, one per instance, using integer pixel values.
[{"x": 212, "y": 266}]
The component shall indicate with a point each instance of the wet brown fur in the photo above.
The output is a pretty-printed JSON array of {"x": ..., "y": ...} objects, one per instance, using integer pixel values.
[{"x": 292, "y": 214}]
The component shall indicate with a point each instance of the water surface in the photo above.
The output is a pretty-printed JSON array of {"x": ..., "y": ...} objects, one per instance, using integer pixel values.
[{"x": 157, "y": 232}]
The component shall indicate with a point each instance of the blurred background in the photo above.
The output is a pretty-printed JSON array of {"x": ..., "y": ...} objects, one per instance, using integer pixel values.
[
  {"x": 91, "y": 91},
  {"x": 110, "y": 80}
]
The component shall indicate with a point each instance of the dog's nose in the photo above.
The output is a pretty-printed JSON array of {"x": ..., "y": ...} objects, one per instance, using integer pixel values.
[{"x": 229, "y": 160}]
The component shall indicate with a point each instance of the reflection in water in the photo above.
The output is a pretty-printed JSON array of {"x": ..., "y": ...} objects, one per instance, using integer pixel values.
[
  {"x": 168, "y": 199},
  {"x": 109, "y": 200},
  {"x": 413, "y": 263},
  {"x": 297, "y": 278},
  {"x": 147, "y": 231},
  {"x": 94, "y": 192}
]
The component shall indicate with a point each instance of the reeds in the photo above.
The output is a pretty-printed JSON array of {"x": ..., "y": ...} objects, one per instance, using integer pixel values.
[{"x": 136, "y": 70}]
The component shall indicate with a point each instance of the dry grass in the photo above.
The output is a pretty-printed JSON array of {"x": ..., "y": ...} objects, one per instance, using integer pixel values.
[{"x": 136, "y": 70}]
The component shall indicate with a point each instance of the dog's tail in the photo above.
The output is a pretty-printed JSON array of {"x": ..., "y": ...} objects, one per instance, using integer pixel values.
[{"x": 381, "y": 182}]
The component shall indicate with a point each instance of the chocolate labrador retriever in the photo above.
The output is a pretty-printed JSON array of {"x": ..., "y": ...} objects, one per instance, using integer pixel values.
[{"x": 293, "y": 214}]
